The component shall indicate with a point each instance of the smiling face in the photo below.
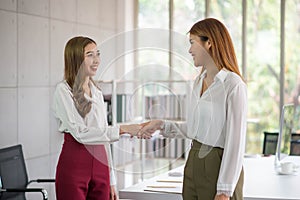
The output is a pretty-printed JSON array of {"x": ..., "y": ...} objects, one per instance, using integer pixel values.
[
  {"x": 215, "y": 35},
  {"x": 91, "y": 60},
  {"x": 198, "y": 50}
]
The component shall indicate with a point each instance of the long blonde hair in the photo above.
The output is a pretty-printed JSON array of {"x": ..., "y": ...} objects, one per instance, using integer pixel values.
[
  {"x": 222, "y": 49},
  {"x": 74, "y": 57}
]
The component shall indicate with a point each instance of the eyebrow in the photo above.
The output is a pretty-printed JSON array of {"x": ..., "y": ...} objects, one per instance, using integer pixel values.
[{"x": 98, "y": 51}]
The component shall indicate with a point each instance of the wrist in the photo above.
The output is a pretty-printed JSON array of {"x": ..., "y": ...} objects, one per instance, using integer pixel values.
[
  {"x": 223, "y": 193},
  {"x": 122, "y": 129},
  {"x": 162, "y": 124}
]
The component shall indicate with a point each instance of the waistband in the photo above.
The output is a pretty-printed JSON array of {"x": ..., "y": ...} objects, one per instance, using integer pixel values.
[
  {"x": 68, "y": 137},
  {"x": 198, "y": 145},
  {"x": 71, "y": 140}
]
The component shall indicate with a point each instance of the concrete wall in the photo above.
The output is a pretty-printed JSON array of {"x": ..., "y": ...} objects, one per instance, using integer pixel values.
[{"x": 33, "y": 34}]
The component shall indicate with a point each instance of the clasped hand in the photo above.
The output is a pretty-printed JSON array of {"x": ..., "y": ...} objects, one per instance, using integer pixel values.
[{"x": 143, "y": 130}]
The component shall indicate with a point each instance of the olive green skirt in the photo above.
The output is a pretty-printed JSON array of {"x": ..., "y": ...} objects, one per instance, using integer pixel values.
[{"x": 201, "y": 174}]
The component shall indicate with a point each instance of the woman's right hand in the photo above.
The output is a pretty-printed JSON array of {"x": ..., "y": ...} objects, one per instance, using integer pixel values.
[
  {"x": 150, "y": 127},
  {"x": 132, "y": 129}
]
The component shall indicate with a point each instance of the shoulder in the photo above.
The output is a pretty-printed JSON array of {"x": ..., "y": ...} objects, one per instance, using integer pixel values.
[
  {"x": 233, "y": 82},
  {"x": 62, "y": 87},
  {"x": 234, "y": 79}
]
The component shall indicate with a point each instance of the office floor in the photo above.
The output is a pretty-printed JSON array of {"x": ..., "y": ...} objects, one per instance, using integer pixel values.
[{"x": 138, "y": 171}]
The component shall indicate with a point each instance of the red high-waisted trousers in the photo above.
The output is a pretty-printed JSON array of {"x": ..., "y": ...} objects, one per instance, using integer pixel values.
[{"x": 82, "y": 172}]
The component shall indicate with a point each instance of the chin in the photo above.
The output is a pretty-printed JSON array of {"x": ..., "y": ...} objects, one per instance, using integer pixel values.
[
  {"x": 92, "y": 74},
  {"x": 197, "y": 64}
]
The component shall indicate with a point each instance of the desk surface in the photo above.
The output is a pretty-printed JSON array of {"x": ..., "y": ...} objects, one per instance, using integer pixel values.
[{"x": 261, "y": 183}]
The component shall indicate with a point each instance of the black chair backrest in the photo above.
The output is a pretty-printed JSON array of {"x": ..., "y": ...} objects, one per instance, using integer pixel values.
[
  {"x": 270, "y": 143},
  {"x": 13, "y": 171},
  {"x": 295, "y": 144}
]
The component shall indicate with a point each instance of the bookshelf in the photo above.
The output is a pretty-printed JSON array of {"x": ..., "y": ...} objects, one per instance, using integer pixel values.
[{"x": 138, "y": 101}]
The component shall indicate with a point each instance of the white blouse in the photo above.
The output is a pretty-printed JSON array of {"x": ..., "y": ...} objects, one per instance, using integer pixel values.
[
  {"x": 218, "y": 118},
  {"x": 91, "y": 130}
]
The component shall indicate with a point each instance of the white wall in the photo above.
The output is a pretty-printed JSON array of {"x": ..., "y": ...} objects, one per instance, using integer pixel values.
[{"x": 33, "y": 34}]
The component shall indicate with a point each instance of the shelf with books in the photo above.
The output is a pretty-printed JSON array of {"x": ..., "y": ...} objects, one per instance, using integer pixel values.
[{"x": 140, "y": 101}]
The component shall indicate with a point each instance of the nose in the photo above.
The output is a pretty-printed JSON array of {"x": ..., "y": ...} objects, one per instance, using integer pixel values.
[
  {"x": 190, "y": 50},
  {"x": 96, "y": 59}
]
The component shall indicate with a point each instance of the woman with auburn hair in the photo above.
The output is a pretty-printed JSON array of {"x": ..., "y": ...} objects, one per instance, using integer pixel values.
[
  {"x": 84, "y": 170},
  {"x": 216, "y": 120}
]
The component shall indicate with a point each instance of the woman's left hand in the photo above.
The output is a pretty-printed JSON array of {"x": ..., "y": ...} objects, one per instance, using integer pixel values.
[
  {"x": 221, "y": 197},
  {"x": 113, "y": 193}
]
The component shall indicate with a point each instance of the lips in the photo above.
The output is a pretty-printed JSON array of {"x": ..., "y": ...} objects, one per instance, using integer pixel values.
[{"x": 94, "y": 67}]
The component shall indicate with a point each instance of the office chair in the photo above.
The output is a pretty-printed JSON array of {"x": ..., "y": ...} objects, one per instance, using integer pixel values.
[
  {"x": 270, "y": 143},
  {"x": 295, "y": 144},
  {"x": 13, "y": 175}
]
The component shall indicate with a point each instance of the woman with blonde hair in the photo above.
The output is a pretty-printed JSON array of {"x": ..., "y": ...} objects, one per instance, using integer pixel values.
[
  {"x": 84, "y": 170},
  {"x": 216, "y": 120}
]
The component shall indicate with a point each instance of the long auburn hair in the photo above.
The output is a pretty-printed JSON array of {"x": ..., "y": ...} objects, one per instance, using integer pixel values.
[
  {"x": 222, "y": 49},
  {"x": 74, "y": 57}
]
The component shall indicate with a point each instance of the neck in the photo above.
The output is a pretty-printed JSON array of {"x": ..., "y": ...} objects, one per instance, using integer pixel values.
[{"x": 211, "y": 71}]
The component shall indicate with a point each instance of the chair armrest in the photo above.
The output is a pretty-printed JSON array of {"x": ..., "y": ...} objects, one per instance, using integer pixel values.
[
  {"x": 41, "y": 190},
  {"x": 42, "y": 181},
  {"x": 45, "y": 180}
]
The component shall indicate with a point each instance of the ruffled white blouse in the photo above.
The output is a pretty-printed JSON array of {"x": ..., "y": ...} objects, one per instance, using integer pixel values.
[{"x": 91, "y": 130}]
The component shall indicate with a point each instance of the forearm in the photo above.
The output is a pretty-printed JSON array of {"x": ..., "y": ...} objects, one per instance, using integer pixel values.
[
  {"x": 95, "y": 135},
  {"x": 132, "y": 129}
]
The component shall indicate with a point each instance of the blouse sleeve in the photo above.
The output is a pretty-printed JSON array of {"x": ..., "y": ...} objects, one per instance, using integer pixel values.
[
  {"x": 173, "y": 129},
  {"x": 234, "y": 147},
  {"x": 71, "y": 121}
]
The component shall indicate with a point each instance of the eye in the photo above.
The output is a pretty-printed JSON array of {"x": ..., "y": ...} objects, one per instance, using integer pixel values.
[{"x": 89, "y": 54}]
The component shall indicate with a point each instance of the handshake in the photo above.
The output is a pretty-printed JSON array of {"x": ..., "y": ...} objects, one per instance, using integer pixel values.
[{"x": 143, "y": 130}]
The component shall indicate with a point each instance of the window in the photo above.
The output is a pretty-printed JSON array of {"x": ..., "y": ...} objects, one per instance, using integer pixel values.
[
  {"x": 263, "y": 55},
  {"x": 223, "y": 10},
  {"x": 155, "y": 57},
  {"x": 263, "y": 67},
  {"x": 292, "y": 59}
]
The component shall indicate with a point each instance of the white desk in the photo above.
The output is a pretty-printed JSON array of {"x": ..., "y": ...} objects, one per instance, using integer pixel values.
[{"x": 261, "y": 183}]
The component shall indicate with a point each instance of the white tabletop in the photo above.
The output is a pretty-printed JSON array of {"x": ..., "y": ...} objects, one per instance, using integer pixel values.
[{"x": 261, "y": 183}]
